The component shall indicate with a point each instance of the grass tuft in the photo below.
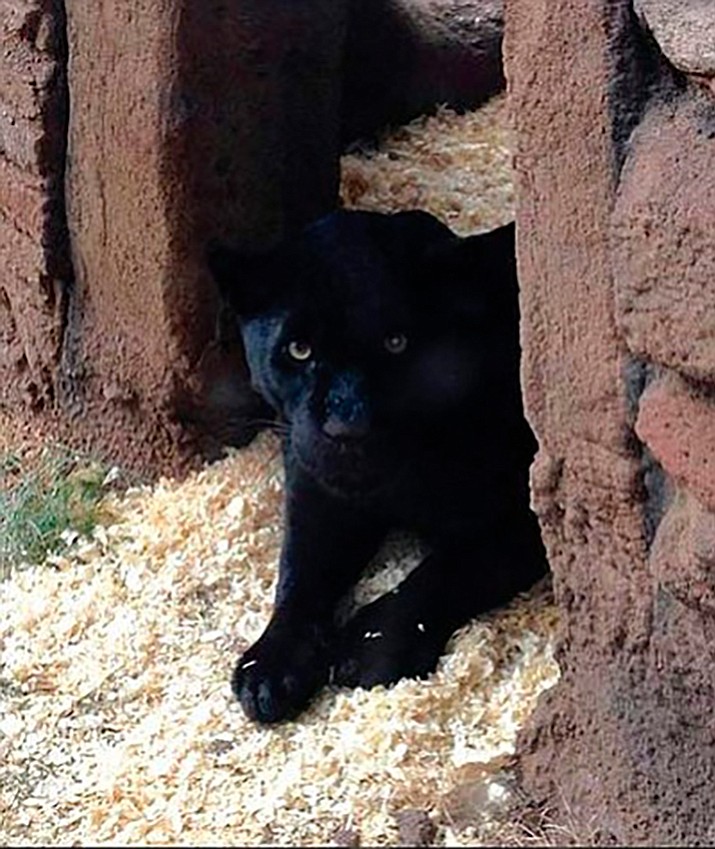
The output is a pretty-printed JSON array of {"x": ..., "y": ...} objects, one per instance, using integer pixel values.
[{"x": 45, "y": 500}]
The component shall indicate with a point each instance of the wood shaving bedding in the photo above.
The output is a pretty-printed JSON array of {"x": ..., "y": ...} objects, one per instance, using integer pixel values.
[
  {"x": 117, "y": 726},
  {"x": 458, "y": 167}
]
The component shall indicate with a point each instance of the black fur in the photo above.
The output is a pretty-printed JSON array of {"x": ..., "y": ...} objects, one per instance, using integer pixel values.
[{"x": 431, "y": 438}]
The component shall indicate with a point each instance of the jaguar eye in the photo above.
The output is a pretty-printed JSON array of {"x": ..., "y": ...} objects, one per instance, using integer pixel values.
[
  {"x": 396, "y": 343},
  {"x": 300, "y": 351}
]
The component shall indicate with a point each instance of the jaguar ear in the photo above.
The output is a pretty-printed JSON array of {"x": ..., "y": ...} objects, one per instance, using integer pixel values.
[
  {"x": 246, "y": 282},
  {"x": 480, "y": 271},
  {"x": 490, "y": 255}
]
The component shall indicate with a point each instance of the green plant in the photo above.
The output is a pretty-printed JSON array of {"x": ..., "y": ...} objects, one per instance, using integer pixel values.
[{"x": 42, "y": 498}]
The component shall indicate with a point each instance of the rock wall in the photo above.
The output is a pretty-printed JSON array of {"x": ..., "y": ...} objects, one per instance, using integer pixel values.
[
  {"x": 34, "y": 268},
  {"x": 615, "y": 115}
]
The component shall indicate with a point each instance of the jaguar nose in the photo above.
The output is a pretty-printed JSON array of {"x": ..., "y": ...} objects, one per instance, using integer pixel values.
[
  {"x": 346, "y": 412},
  {"x": 349, "y": 430}
]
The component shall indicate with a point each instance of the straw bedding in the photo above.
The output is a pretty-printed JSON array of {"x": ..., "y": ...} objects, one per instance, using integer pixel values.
[{"x": 116, "y": 722}]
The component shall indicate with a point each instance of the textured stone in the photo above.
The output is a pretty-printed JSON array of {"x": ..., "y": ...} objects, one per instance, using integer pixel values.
[
  {"x": 24, "y": 199},
  {"x": 33, "y": 249},
  {"x": 31, "y": 300},
  {"x": 565, "y": 178},
  {"x": 25, "y": 76},
  {"x": 585, "y": 482},
  {"x": 683, "y": 555},
  {"x": 664, "y": 253},
  {"x": 667, "y": 718},
  {"x": 678, "y": 426},
  {"x": 403, "y": 57},
  {"x": 684, "y": 31},
  {"x": 708, "y": 83},
  {"x": 21, "y": 142},
  {"x": 624, "y": 740}
]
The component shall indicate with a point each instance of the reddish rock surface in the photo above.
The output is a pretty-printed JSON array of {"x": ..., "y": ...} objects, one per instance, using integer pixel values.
[
  {"x": 677, "y": 424},
  {"x": 34, "y": 269},
  {"x": 682, "y": 561},
  {"x": 614, "y": 158},
  {"x": 683, "y": 30},
  {"x": 664, "y": 252}
]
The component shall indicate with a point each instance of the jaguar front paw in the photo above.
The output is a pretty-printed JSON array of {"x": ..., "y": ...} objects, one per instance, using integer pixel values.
[
  {"x": 278, "y": 676},
  {"x": 381, "y": 645}
]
